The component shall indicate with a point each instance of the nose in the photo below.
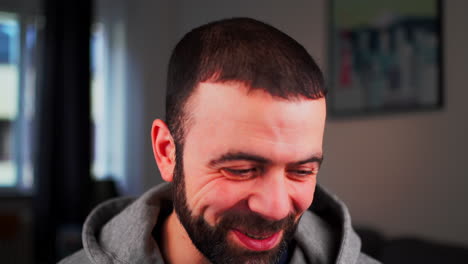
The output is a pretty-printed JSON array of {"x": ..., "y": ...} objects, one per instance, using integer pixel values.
[{"x": 270, "y": 198}]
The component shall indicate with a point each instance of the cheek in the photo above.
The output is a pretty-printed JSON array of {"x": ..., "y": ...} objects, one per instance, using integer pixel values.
[
  {"x": 225, "y": 197},
  {"x": 302, "y": 195},
  {"x": 212, "y": 198}
]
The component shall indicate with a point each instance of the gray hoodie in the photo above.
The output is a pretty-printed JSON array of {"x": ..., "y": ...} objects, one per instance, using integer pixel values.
[{"x": 120, "y": 231}]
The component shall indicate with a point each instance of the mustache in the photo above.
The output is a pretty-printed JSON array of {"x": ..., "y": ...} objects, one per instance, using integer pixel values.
[{"x": 253, "y": 222}]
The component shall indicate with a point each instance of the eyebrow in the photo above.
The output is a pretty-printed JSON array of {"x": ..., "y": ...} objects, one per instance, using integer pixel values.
[{"x": 237, "y": 156}]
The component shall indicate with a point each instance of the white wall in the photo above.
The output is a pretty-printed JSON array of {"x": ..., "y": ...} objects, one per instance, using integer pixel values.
[
  {"x": 303, "y": 20},
  {"x": 407, "y": 174},
  {"x": 403, "y": 174},
  {"x": 147, "y": 37}
]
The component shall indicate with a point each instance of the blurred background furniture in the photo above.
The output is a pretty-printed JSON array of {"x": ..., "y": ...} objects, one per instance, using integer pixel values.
[{"x": 403, "y": 250}]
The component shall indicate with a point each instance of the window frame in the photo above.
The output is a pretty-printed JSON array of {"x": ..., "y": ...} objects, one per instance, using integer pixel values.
[{"x": 26, "y": 15}]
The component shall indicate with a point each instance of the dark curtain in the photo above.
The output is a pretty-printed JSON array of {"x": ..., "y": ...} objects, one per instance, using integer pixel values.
[{"x": 63, "y": 149}]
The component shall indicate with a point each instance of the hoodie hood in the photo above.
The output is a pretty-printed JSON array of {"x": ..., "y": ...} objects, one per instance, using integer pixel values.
[
  {"x": 325, "y": 233},
  {"x": 120, "y": 231}
]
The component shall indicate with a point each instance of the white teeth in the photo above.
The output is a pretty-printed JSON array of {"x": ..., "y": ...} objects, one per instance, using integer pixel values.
[{"x": 256, "y": 237}]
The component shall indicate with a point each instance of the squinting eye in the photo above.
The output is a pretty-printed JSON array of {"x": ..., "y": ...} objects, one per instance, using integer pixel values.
[
  {"x": 303, "y": 173},
  {"x": 241, "y": 173}
]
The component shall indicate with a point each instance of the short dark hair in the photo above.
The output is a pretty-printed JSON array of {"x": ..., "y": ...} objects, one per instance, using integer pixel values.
[{"x": 238, "y": 49}]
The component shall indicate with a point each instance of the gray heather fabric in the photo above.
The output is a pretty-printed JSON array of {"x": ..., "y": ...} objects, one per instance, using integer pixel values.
[{"x": 119, "y": 231}]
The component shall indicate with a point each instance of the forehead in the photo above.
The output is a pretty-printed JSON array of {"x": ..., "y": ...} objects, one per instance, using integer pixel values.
[{"x": 229, "y": 117}]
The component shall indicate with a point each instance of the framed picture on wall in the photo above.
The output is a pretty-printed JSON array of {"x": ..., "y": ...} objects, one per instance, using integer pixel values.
[{"x": 384, "y": 56}]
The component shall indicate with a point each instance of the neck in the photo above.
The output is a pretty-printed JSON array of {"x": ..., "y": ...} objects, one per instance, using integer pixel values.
[{"x": 176, "y": 245}]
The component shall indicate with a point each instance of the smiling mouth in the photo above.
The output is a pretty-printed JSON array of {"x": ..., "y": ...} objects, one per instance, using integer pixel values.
[
  {"x": 257, "y": 241},
  {"x": 258, "y": 237}
]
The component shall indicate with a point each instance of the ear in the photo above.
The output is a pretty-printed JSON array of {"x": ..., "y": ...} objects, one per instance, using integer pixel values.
[{"x": 163, "y": 149}]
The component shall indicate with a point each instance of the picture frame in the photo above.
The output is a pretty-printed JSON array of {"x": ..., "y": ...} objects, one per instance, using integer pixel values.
[{"x": 384, "y": 56}]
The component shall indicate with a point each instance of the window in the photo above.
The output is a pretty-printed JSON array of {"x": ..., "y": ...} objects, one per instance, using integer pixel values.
[
  {"x": 108, "y": 93},
  {"x": 9, "y": 76},
  {"x": 18, "y": 41},
  {"x": 98, "y": 103}
]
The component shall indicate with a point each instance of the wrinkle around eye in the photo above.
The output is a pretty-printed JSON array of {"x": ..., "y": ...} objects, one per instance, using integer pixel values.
[
  {"x": 200, "y": 194},
  {"x": 302, "y": 175},
  {"x": 241, "y": 173}
]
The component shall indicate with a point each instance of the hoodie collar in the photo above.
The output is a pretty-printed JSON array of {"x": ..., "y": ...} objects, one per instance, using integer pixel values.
[
  {"x": 120, "y": 230},
  {"x": 325, "y": 233}
]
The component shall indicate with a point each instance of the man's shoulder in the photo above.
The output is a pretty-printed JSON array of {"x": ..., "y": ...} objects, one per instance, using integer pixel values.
[
  {"x": 120, "y": 230},
  {"x": 79, "y": 257}
]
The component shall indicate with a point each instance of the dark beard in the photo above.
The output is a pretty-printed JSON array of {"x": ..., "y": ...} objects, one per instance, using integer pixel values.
[{"x": 212, "y": 242}]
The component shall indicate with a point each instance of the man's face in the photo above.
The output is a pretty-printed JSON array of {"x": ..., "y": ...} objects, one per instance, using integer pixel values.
[{"x": 249, "y": 171}]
